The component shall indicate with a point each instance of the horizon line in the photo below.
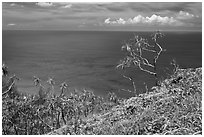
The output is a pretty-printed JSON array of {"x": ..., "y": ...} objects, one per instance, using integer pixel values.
[{"x": 103, "y": 30}]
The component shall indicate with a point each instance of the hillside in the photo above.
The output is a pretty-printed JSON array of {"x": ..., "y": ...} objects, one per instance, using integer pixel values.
[{"x": 174, "y": 108}]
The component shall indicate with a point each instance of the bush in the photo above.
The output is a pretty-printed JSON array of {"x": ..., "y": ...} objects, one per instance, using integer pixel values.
[{"x": 40, "y": 114}]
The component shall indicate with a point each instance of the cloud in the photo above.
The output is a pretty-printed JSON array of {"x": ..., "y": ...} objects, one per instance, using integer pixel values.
[
  {"x": 158, "y": 6},
  {"x": 107, "y": 21},
  {"x": 62, "y": 4},
  {"x": 116, "y": 9},
  {"x": 12, "y": 4},
  {"x": 139, "y": 19},
  {"x": 185, "y": 15},
  {"x": 16, "y": 5},
  {"x": 11, "y": 24},
  {"x": 158, "y": 19},
  {"x": 107, "y": 15},
  {"x": 45, "y": 4},
  {"x": 121, "y": 21},
  {"x": 67, "y": 6}
]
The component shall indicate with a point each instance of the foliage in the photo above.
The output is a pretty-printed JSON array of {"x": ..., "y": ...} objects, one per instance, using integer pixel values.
[
  {"x": 40, "y": 114},
  {"x": 173, "y": 108},
  {"x": 170, "y": 109}
]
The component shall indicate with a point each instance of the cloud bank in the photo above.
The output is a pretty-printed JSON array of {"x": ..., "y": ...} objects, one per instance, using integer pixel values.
[
  {"x": 139, "y": 19},
  {"x": 185, "y": 15},
  {"x": 178, "y": 19},
  {"x": 45, "y": 4}
]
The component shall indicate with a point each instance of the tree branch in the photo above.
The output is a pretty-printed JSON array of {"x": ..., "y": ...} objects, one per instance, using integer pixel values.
[
  {"x": 133, "y": 83},
  {"x": 44, "y": 121},
  {"x": 9, "y": 88},
  {"x": 150, "y": 72}
]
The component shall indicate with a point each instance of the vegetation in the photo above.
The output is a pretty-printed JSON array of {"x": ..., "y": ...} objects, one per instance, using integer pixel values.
[
  {"x": 174, "y": 107},
  {"x": 135, "y": 57},
  {"x": 40, "y": 114}
]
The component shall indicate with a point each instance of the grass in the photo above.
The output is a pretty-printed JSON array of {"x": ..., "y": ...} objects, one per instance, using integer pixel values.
[{"x": 173, "y": 108}]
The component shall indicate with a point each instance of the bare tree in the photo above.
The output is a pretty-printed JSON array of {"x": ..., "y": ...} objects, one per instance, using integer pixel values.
[{"x": 134, "y": 49}]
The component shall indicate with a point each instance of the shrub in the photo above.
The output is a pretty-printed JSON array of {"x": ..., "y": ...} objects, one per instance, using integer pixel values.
[{"x": 40, "y": 114}]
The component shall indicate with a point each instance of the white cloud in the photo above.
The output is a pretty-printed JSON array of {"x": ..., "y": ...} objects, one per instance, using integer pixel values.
[
  {"x": 154, "y": 19},
  {"x": 107, "y": 21},
  {"x": 67, "y": 6},
  {"x": 11, "y": 24},
  {"x": 137, "y": 19},
  {"x": 162, "y": 20},
  {"x": 13, "y": 4},
  {"x": 121, "y": 21},
  {"x": 45, "y": 4},
  {"x": 185, "y": 15},
  {"x": 58, "y": 4}
]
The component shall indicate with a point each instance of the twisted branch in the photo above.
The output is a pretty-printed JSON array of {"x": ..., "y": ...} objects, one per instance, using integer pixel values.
[
  {"x": 158, "y": 53},
  {"x": 145, "y": 70},
  {"x": 133, "y": 83},
  {"x": 134, "y": 49}
]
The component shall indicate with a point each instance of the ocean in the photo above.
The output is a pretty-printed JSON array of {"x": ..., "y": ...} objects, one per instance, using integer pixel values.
[{"x": 88, "y": 59}]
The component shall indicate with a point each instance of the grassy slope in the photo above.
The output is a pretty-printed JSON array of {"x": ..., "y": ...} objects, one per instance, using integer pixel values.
[{"x": 173, "y": 108}]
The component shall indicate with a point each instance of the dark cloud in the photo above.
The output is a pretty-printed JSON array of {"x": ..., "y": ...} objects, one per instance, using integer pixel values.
[
  {"x": 116, "y": 7},
  {"x": 86, "y": 8},
  {"x": 195, "y": 8},
  {"x": 75, "y": 18},
  {"x": 158, "y": 6}
]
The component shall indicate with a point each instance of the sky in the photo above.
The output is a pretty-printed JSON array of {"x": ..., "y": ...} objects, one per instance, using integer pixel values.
[{"x": 97, "y": 16}]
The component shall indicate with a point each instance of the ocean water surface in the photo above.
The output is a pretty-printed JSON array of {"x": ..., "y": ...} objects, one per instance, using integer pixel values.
[{"x": 87, "y": 59}]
